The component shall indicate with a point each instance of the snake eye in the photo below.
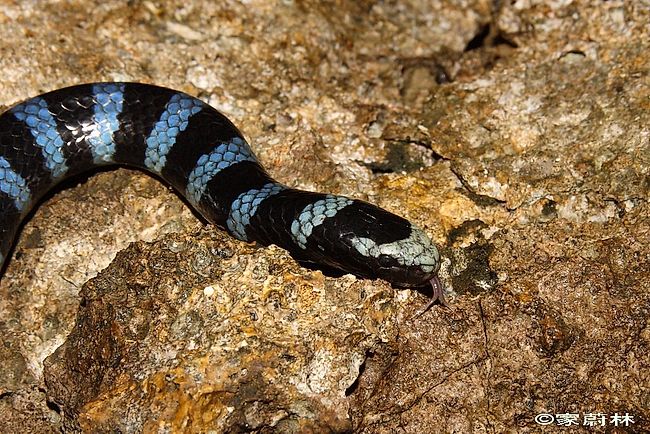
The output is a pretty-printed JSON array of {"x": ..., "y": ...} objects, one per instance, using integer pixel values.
[{"x": 385, "y": 261}]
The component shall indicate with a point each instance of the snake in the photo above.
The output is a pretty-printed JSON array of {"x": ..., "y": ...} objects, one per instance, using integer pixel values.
[{"x": 199, "y": 152}]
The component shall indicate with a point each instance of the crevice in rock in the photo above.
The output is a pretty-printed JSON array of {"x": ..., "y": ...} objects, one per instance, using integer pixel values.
[
  {"x": 421, "y": 396},
  {"x": 488, "y": 36},
  {"x": 489, "y": 365},
  {"x": 355, "y": 384},
  {"x": 421, "y": 143},
  {"x": 477, "y": 198},
  {"x": 53, "y": 406},
  {"x": 400, "y": 159}
]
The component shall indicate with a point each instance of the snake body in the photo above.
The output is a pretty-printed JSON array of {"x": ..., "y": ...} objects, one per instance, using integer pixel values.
[{"x": 203, "y": 156}]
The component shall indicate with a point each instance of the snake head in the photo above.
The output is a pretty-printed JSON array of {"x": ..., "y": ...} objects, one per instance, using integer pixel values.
[
  {"x": 360, "y": 238},
  {"x": 391, "y": 247}
]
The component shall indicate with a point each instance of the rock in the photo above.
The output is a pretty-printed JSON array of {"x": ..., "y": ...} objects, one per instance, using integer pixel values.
[{"x": 515, "y": 133}]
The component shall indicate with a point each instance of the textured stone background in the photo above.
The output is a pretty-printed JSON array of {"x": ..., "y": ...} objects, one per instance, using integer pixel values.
[{"x": 516, "y": 133}]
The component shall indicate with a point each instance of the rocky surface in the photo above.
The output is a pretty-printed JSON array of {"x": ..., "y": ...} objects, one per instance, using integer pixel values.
[{"x": 516, "y": 133}]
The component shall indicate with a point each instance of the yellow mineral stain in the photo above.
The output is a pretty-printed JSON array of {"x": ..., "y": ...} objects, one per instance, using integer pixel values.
[{"x": 456, "y": 210}]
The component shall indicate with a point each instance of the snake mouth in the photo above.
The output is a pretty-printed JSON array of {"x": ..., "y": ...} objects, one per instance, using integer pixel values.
[{"x": 409, "y": 277}]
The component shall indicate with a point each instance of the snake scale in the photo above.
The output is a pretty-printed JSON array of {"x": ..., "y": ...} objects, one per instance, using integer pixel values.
[{"x": 203, "y": 156}]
